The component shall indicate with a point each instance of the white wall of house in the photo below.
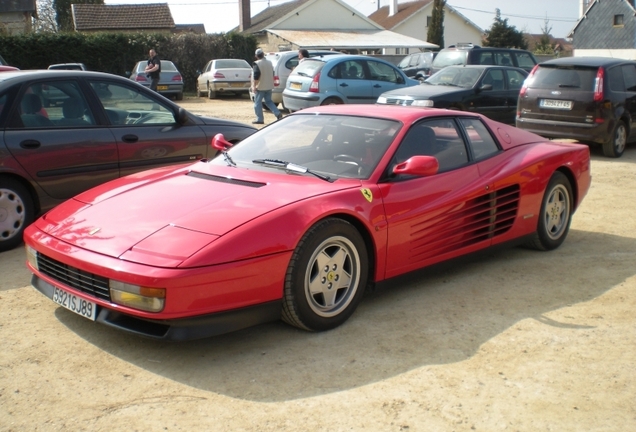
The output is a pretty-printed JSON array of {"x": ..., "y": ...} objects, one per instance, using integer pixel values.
[
  {"x": 325, "y": 15},
  {"x": 628, "y": 54},
  {"x": 456, "y": 29},
  {"x": 14, "y": 23}
]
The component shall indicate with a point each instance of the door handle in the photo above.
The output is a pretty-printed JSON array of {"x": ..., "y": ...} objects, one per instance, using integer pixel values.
[
  {"x": 30, "y": 144},
  {"x": 344, "y": 85},
  {"x": 377, "y": 86},
  {"x": 130, "y": 138}
]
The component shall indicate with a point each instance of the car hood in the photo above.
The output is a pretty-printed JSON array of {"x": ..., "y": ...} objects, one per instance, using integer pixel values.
[
  {"x": 187, "y": 207},
  {"x": 423, "y": 91}
]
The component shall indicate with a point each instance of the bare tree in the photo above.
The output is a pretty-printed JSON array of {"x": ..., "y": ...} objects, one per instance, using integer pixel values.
[{"x": 46, "y": 21}]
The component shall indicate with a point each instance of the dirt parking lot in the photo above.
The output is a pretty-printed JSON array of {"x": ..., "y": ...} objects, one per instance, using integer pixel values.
[{"x": 513, "y": 340}]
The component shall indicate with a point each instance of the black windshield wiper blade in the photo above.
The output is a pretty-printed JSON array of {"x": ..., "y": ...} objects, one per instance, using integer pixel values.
[{"x": 288, "y": 166}]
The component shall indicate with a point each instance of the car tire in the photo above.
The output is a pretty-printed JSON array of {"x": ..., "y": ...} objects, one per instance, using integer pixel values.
[
  {"x": 555, "y": 215},
  {"x": 179, "y": 96},
  {"x": 326, "y": 276},
  {"x": 16, "y": 212},
  {"x": 331, "y": 101},
  {"x": 211, "y": 93},
  {"x": 615, "y": 146},
  {"x": 199, "y": 92}
]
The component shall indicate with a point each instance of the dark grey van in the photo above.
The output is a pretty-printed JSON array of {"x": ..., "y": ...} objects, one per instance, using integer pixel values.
[
  {"x": 590, "y": 99},
  {"x": 469, "y": 54}
]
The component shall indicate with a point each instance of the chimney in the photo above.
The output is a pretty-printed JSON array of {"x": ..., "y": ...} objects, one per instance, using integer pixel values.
[
  {"x": 393, "y": 7},
  {"x": 583, "y": 7},
  {"x": 245, "y": 15}
]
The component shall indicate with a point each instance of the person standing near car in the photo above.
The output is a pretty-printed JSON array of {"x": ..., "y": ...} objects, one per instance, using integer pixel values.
[
  {"x": 153, "y": 69},
  {"x": 262, "y": 85},
  {"x": 303, "y": 55}
]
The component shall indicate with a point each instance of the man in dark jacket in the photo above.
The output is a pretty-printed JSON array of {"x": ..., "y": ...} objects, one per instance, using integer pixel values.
[{"x": 153, "y": 69}]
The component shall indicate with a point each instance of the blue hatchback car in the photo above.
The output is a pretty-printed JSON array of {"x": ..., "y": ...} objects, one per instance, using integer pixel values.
[{"x": 341, "y": 79}]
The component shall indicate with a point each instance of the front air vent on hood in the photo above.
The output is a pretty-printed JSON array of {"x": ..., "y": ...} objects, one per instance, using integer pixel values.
[{"x": 225, "y": 180}]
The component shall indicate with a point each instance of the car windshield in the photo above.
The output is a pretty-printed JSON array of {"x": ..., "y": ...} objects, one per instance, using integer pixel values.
[
  {"x": 336, "y": 146},
  {"x": 309, "y": 68},
  {"x": 567, "y": 77},
  {"x": 449, "y": 58},
  {"x": 456, "y": 76},
  {"x": 231, "y": 64}
]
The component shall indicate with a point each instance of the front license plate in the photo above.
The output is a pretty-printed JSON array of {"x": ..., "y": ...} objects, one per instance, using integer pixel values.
[
  {"x": 75, "y": 304},
  {"x": 162, "y": 87},
  {"x": 296, "y": 86},
  {"x": 555, "y": 104}
]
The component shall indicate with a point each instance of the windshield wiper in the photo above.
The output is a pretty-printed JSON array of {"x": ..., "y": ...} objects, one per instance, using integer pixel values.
[
  {"x": 302, "y": 74},
  {"x": 288, "y": 166}
]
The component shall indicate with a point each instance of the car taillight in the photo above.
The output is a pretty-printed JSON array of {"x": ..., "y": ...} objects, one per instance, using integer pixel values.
[
  {"x": 140, "y": 78},
  {"x": 314, "y": 87},
  {"x": 276, "y": 81},
  {"x": 524, "y": 87},
  {"x": 598, "y": 85},
  {"x": 219, "y": 75},
  {"x": 177, "y": 78}
]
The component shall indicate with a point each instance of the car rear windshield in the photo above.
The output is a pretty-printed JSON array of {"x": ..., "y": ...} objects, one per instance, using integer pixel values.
[
  {"x": 450, "y": 58},
  {"x": 309, "y": 68},
  {"x": 550, "y": 77},
  {"x": 232, "y": 64}
]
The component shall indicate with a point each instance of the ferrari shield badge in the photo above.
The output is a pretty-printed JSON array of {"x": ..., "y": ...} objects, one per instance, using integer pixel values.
[{"x": 367, "y": 194}]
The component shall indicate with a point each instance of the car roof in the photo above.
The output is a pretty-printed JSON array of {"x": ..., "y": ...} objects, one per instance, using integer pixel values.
[{"x": 586, "y": 61}]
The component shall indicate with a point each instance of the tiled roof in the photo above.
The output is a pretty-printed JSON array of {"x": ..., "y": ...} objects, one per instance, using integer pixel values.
[
  {"x": 405, "y": 10},
  {"x": 124, "y": 17},
  {"x": 271, "y": 14},
  {"x": 189, "y": 28},
  {"x": 17, "y": 6}
]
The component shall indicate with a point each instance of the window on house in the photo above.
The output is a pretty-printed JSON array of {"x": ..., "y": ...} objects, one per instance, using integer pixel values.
[
  {"x": 618, "y": 20},
  {"x": 428, "y": 21}
]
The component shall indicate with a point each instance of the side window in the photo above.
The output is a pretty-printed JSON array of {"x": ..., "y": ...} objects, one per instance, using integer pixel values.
[
  {"x": 503, "y": 59},
  {"x": 525, "y": 60},
  {"x": 629, "y": 75},
  {"x": 439, "y": 138},
  {"x": 479, "y": 139},
  {"x": 291, "y": 63},
  {"x": 382, "y": 72},
  {"x": 615, "y": 79},
  {"x": 54, "y": 104},
  {"x": 415, "y": 59},
  {"x": 352, "y": 69},
  {"x": 208, "y": 67},
  {"x": 126, "y": 105},
  {"x": 495, "y": 78},
  {"x": 484, "y": 58},
  {"x": 515, "y": 79}
]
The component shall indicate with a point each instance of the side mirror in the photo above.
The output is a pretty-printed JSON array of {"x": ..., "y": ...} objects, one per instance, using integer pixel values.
[
  {"x": 485, "y": 87},
  {"x": 182, "y": 116},
  {"x": 198, "y": 72},
  {"x": 423, "y": 166},
  {"x": 128, "y": 74},
  {"x": 220, "y": 143}
]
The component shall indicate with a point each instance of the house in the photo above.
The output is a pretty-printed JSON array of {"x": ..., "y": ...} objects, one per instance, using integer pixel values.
[
  {"x": 606, "y": 28},
  {"x": 320, "y": 24},
  {"x": 116, "y": 18},
  {"x": 413, "y": 19},
  {"x": 562, "y": 47},
  {"x": 16, "y": 16},
  {"x": 189, "y": 28}
]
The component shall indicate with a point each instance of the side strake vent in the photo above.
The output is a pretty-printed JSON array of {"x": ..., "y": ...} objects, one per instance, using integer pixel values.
[
  {"x": 226, "y": 180},
  {"x": 474, "y": 221}
]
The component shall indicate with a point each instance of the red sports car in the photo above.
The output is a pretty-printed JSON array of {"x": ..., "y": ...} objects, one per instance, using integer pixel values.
[{"x": 299, "y": 218}]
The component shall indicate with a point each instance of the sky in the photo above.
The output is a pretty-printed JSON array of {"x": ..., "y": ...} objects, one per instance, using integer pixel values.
[{"x": 529, "y": 16}]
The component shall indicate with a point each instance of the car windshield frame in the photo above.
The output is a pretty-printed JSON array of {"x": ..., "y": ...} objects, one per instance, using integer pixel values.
[{"x": 334, "y": 145}]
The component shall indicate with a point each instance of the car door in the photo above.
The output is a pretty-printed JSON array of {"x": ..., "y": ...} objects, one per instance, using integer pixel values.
[
  {"x": 145, "y": 127},
  {"x": 433, "y": 218},
  {"x": 493, "y": 101},
  {"x": 203, "y": 79},
  {"x": 383, "y": 77},
  {"x": 629, "y": 77},
  {"x": 63, "y": 147},
  {"x": 352, "y": 82}
]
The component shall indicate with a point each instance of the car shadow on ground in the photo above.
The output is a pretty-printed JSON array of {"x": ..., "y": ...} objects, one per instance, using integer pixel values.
[{"x": 431, "y": 317}]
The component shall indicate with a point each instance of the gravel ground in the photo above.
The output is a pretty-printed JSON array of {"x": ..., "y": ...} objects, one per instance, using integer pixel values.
[{"x": 513, "y": 340}]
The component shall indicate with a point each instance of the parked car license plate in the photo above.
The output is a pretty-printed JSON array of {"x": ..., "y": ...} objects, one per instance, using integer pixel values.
[
  {"x": 162, "y": 87},
  {"x": 237, "y": 84},
  {"x": 75, "y": 304},
  {"x": 296, "y": 86},
  {"x": 555, "y": 104}
]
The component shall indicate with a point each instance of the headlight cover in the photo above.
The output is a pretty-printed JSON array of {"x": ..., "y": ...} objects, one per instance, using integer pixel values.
[{"x": 137, "y": 297}]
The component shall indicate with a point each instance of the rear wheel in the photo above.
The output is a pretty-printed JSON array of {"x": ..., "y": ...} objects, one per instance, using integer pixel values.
[
  {"x": 179, "y": 96},
  {"x": 326, "y": 276},
  {"x": 211, "y": 93},
  {"x": 16, "y": 212},
  {"x": 331, "y": 101},
  {"x": 199, "y": 92},
  {"x": 555, "y": 215},
  {"x": 616, "y": 145}
]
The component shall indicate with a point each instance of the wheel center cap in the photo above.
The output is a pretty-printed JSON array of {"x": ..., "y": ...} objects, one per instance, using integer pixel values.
[{"x": 331, "y": 276}]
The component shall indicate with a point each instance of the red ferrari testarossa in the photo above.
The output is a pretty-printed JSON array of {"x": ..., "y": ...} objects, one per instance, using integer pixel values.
[{"x": 298, "y": 219}]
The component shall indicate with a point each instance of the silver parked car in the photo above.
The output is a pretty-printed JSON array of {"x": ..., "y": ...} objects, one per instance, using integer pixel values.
[
  {"x": 224, "y": 76},
  {"x": 170, "y": 79}
]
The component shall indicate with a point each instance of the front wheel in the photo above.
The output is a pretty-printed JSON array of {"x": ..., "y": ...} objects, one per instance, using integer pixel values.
[
  {"x": 16, "y": 212},
  {"x": 617, "y": 142},
  {"x": 555, "y": 215},
  {"x": 326, "y": 276}
]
